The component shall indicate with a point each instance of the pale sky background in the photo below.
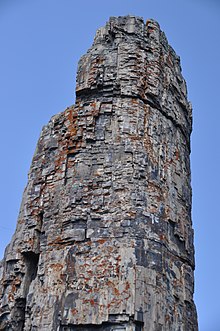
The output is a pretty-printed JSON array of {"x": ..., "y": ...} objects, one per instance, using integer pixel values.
[{"x": 41, "y": 42}]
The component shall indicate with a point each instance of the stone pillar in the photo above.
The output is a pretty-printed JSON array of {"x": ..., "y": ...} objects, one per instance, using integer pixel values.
[{"x": 104, "y": 238}]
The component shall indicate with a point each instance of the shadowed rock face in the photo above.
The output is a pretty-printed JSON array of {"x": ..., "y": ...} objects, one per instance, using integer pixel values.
[{"x": 104, "y": 238}]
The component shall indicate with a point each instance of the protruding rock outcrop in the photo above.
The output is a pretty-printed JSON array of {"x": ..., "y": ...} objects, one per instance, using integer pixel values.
[{"x": 104, "y": 238}]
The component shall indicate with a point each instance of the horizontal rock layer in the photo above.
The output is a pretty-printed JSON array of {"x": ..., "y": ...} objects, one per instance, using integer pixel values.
[{"x": 104, "y": 238}]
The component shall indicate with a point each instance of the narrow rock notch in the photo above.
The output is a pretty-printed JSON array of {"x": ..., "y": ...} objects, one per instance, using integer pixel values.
[{"x": 104, "y": 238}]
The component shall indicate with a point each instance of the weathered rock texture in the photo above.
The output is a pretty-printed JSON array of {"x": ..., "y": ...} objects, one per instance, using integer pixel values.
[{"x": 104, "y": 238}]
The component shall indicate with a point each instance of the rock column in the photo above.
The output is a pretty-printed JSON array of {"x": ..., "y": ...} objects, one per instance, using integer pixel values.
[{"x": 104, "y": 237}]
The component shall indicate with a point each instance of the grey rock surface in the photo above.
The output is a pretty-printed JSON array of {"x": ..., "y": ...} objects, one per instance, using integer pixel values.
[{"x": 104, "y": 237}]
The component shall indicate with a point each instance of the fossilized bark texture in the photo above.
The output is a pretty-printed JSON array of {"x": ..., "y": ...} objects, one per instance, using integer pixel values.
[{"x": 104, "y": 238}]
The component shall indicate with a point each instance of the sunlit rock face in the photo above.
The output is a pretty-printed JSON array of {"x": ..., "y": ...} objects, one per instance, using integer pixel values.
[{"x": 104, "y": 238}]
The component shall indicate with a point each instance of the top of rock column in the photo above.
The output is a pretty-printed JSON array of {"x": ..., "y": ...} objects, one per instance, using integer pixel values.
[{"x": 129, "y": 58}]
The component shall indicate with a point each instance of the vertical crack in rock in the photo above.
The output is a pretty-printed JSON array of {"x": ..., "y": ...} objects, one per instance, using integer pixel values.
[{"x": 104, "y": 237}]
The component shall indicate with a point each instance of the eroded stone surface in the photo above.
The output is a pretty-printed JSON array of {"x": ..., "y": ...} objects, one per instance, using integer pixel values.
[{"x": 104, "y": 238}]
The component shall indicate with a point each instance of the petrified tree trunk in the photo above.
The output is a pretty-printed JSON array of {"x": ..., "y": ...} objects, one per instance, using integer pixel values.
[{"x": 104, "y": 238}]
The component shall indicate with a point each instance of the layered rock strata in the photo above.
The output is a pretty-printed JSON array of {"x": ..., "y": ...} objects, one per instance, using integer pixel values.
[{"x": 104, "y": 238}]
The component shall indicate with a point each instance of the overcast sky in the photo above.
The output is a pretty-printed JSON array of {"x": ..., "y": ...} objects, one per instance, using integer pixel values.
[{"x": 41, "y": 42}]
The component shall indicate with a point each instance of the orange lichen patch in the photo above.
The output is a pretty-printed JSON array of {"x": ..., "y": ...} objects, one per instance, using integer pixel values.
[
  {"x": 95, "y": 108},
  {"x": 57, "y": 241},
  {"x": 11, "y": 297},
  {"x": 162, "y": 237},
  {"x": 16, "y": 281},
  {"x": 72, "y": 116},
  {"x": 56, "y": 266},
  {"x": 92, "y": 302},
  {"x": 21, "y": 221},
  {"x": 71, "y": 143},
  {"x": 116, "y": 292},
  {"x": 109, "y": 283},
  {"x": 148, "y": 22},
  {"x": 134, "y": 137},
  {"x": 30, "y": 241},
  {"x": 127, "y": 286},
  {"x": 114, "y": 302},
  {"x": 177, "y": 154},
  {"x": 134, "y": 101},
  {"x": 99, "y": 60},
  {"x": 126, "y": 298},
  {"x": 110, "y": 249},
  {"x": 60, "y": 160},
  {"x": 74, "y": 311},
  {"x": 13, "y": 288},
  {"x": 35, "y": 211},
  {"x": 148, "y": 144},
  {"x": 167, "y": 211},
  {"x": 102, "y": 241},
  {"x": 118, "y": 259}
]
